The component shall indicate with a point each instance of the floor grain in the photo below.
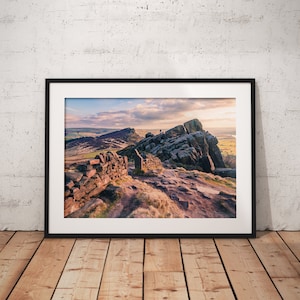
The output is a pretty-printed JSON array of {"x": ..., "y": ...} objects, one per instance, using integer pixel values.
[{"x": 32, "y": 267}]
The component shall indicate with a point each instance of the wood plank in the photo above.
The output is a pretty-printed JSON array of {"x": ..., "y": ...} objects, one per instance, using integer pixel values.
[
  {"x": 292, "y": 239},
  {"x": 78, "y": 294},
  {"x": 13, "y": 263},
  {"x": 275, "y": 255},
  {"x": 289, "y": 287},
  {"x": 164, "y": 276},
  {"x": 165, "y": 285},
  {"x": 123, "y": 271},
  {"x": 22, "y": 245},
  {"x": 163, "y": 255},
  {"x": 10, "y": 272},
  {"x": 5, "y": 237},
  {"x": 248, "y": 277},
  {"x": 205, "y": 275},
  {"x": 43, "y": 272},
  {"x": 83, "y": 270},
  {"x": 280, "y": 263}
]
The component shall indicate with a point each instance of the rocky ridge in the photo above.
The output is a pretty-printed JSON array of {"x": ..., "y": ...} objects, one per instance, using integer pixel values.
[
  {"x": 115, "y": 139},
  {"x": 187, "y": 145}
]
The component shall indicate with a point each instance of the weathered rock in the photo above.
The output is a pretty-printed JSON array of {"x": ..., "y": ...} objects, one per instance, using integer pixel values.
[
  {"x": 175, "y": 131},
  {"x": 78, "y": 194},
  {"x": 110, "y": 156},
  {"x": 90, "y": 173},
  {"x": 70, "y": 206},
  {"x": 94, "y": 161},
  {"x": 74, "y": 176},
  {"x": 187, "y": 156},
  {"x": 70, "y": 184},
  {"x": 99, "y": 172},
  {"x": 83, "y": 180},
  {"x": 90, "y": 186},
  {"x": 84, "y": 167},
  {"x": 182, "y": 189},
  {"x": 101, "y": 157},
  {"x": 206, "y": 164},
  {"x": 67, "y": 193},
  {"x": 197, "y": 140},
  {"x": 81, "y": 168},
  {"x": 185, "y": 145},
  {"x": 138, "y": 160},
  {"x": 98, "y": 168},
  {"x": 149, "y": 134},
  {"x": 214, "y": 151},
  {"x": 97, "y": 191},
  {"x": 225, "y": 172},
  {"x": 104, "y": 180},
  {"x": 184, "y": 204},
  {"x": 193, "y": 126},
  {"x": 88, "y": 208},
  {"x": 125, "y": 162}
]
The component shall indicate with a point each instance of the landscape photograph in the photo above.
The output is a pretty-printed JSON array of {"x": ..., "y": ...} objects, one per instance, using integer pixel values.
[{"x": 150, "y": 158}]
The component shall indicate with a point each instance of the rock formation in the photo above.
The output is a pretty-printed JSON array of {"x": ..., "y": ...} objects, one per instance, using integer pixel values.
[
  {"x": 85, "y": 181},
  {"x": 186, "y": 145},
  {"x": 147, "y": 164}
]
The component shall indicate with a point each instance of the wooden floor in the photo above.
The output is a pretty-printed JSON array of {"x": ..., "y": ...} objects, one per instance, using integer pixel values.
[{"x": 32, "y": 267}]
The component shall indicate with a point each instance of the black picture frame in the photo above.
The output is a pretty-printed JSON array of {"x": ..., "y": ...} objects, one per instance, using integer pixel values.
[{"x": 234, "y": 215}]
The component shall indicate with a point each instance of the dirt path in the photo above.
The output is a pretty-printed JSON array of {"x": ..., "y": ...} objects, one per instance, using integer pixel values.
[
  {"x": 200, "y": 195},
  {"x": 124, "y": 206}
]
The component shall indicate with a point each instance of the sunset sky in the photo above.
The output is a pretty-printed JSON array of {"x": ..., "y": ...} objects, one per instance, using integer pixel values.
[{"x": 149, "y": 113}]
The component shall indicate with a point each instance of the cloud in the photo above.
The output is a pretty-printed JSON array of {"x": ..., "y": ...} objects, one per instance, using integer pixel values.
[
  {"x": 156, "y": 113},
  {"x": 71, "y": 118}
]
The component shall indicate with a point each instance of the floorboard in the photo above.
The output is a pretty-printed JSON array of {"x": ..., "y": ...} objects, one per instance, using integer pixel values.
[
  {"x": 123, "y": 272},
  {"x": 44, "y": 270},
  {"x": 165, "y": 285},
  {"x": 248, "y": 277},
  {"x": 164, "y": 276},
  {"x": 82, "y": 274},
  {"x": 206, "y": 278},
  {"x": 17, "y": 250},
  {"x": 32, "y": 267},
  {"x": 292, "y": 239},
  {"x": 5, "y": 236},
  {"x": 280, "y": 263}
]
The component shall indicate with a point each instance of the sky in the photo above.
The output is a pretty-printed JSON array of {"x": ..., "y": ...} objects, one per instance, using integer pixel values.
[{"x": 149, "y": 113}]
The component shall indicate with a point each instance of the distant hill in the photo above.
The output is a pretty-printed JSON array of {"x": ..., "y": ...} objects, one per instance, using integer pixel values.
[
  {"x": 75, "y": 133},
  {"x": 115, "y": 139}
]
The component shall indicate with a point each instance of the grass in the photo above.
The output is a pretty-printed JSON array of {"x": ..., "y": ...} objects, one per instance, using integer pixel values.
[
  {"x": 217, "y": 180},
  {"x": 91, "y": 155},
  {"x": 154, "y": 204},
  {"x": 227, "y": 146},
  {"x": 98, "y": 212}
]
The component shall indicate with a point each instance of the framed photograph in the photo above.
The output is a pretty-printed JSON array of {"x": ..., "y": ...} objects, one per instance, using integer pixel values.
[{"x": 150, "y": 158}]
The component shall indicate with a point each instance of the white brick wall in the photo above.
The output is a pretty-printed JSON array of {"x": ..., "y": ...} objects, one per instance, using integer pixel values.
[{"x": 165, "y": 39}]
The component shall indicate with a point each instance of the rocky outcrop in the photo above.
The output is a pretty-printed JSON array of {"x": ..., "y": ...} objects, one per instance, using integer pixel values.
[
  {"x": 175, "y": 131},
  {"x": 85, "y": 181},
  {"x": 188, "y": 145},
  {"x": 214, "y": 151},
  {"x": 193, "y": 126},
  {"x": 147, "y": 164}
]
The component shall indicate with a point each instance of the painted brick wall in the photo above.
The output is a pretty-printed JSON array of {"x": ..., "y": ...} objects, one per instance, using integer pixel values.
[{"x": 143, "y": 38}]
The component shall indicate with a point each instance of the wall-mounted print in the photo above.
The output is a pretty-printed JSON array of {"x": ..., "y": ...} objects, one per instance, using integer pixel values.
[{"x": 150, "y": 157}]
